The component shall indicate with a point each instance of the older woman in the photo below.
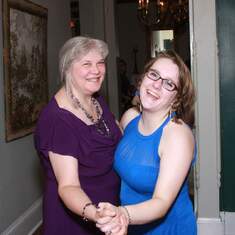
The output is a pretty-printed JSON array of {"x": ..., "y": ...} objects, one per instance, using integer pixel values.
[
  {"x": 156, "y": 152},
  {"x": 76, "y": 136}
]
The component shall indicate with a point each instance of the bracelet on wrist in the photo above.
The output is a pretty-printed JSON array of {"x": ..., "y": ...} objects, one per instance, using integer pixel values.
[
  {"x": 84, "y": 209},
  {"x": 127, "y": 213}
]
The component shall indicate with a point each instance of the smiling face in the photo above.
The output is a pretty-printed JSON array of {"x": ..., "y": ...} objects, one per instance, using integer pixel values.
[
  {"x": 154, "y": 97},
  {"x": 88, "y": 73}
]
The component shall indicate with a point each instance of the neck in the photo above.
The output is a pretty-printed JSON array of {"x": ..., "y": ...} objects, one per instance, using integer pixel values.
[
  {"x": 150, "y": 121},
  {"x": 84, "y": 99}
]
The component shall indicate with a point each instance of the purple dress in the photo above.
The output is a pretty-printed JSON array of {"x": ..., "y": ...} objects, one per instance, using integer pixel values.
[{"x": 60, "y": 131}]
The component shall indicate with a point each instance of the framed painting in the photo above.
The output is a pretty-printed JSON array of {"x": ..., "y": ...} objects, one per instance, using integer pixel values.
[{"x": 25, "y": 65}]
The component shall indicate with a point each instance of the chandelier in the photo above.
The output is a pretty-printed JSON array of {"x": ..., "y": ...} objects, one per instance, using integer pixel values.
[{"x": 162, "y": 13}]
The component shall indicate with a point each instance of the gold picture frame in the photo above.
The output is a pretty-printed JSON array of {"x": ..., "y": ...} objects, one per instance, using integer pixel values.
[{"x": 25, "y": 65}]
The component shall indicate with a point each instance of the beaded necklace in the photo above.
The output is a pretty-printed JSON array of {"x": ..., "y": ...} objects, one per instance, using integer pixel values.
[{"x": 100, "y": 124}]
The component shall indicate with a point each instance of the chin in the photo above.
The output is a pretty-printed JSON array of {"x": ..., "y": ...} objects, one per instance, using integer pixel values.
[
  {"x": 148, "y": 105},
  {"x": 94, "y": 90}
]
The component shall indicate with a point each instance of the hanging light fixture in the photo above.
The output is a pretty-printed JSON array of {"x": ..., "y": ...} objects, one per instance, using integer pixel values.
[{"x": 166, "y": 13}]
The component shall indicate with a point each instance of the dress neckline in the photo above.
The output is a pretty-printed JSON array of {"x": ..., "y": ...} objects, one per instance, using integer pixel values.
[
  {"x": 163, "y": 124},
  {"x": 73, "y": 115}
]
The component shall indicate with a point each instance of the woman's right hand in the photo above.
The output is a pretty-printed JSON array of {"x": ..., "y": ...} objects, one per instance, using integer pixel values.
[{"x": 115, "y": 225}]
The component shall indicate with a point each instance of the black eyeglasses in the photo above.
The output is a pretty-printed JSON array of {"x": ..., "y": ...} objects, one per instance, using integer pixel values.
[{"x": 166, "y": 83}]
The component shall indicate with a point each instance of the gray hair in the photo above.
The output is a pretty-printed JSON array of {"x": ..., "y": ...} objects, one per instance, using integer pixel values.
[{"x": 76, "y": 48}]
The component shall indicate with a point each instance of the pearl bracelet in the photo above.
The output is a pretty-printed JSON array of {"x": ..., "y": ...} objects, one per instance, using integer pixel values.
[{"x": 128, "y": 214}]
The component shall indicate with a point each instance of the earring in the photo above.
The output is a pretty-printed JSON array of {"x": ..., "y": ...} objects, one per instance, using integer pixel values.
[
  {"x": 171, "y": 112},
  {"x": 140, "y": 107}
]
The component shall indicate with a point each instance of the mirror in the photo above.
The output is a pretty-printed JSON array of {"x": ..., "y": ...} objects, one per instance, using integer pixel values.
[{"x": 161, "y": 40}]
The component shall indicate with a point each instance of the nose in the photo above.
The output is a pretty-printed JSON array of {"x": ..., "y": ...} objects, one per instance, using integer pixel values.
[
  {"x": 95, "y": 69},
  {"x": 158, "y": 83}
]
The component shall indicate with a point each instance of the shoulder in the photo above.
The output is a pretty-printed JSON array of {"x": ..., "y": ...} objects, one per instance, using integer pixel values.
[
  {"x": 105, "y": 108},
  {"x": 51, "y": 115},
  {"x": 53, "y": 128},
  {"x": 48, "y": 111},
  {"x": 129, "y": 115},
  {"x": 103, "y": 103},
  {"x": 178, "y": 131},
  {"x": 101, "y": 100},
  {"x": 179, "y": 136}
]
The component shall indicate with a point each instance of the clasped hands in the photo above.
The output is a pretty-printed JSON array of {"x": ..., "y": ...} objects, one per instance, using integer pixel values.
[{"x": 112, "y": 220}]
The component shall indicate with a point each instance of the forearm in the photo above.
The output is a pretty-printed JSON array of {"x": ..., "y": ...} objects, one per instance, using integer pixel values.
[
  {"x": 147, "y": 211},
  {"x": 140, "y": 213},
  {"x": 75, "y": 199}
]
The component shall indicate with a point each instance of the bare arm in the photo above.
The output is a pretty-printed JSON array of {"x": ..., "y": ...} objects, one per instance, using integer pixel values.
[
  {"x": 69, "y": 188},
  {"x": 128, "y": 116}
]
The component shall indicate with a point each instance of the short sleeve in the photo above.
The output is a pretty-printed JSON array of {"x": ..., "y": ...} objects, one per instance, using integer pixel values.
[{"x": 56, "y": 135}]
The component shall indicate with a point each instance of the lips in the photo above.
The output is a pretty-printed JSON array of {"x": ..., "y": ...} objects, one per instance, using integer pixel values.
[
  {"x": 93, "y": 79},
  {"x": 152, "y": 93}
]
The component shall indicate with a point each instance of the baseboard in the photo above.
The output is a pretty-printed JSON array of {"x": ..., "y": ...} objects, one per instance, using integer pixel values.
[
  {"x": 210, "y": 226},
  {"x": 229, "y": 222},
  {"x": 35, "y": 227},
  {"x": 28, "y": 222}
]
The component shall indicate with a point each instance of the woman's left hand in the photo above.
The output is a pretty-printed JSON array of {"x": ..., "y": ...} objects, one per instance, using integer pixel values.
[{"x": 115, "y": 225}]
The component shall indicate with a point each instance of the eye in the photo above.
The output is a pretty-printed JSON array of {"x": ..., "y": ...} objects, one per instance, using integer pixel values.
[
  {"x": 86, "y": 64},
  {"x": 101, "y": 63},
  {"x": 170, "y": 84},
  {"x": 153, "y": 74}
]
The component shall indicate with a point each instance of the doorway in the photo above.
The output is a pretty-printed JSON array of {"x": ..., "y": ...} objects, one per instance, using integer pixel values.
[{"x": 137, "y": 43}]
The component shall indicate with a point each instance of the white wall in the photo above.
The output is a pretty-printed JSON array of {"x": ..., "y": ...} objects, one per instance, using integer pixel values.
[
  {"x": 205, "y": 74},
  {"x": 20, "y": 174}
]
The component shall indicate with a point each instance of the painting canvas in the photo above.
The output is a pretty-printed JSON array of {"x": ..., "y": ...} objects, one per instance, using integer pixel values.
[{"x": 25, "y": 65}]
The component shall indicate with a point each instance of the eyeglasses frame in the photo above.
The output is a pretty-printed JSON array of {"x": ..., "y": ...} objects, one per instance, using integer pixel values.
[{"x": 162, "y": 79}]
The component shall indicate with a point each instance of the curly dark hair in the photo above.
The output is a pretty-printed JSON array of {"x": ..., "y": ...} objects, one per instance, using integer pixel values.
[{"x": 183, "y": 105}]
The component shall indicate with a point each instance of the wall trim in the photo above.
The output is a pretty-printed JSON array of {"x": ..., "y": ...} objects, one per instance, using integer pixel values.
[
  {"x": 35, "y": 227},
  {"x": 28, "y": 222},
  {"x": 210, "y": 226},
  {"x": 229, "y": 222}
]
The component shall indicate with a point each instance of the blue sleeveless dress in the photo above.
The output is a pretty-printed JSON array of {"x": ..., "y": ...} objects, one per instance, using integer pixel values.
[{"x": 137, "y": 162}]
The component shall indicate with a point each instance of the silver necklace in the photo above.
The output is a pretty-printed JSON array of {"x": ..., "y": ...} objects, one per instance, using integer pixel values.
[{"x": 100, "y": 124}]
